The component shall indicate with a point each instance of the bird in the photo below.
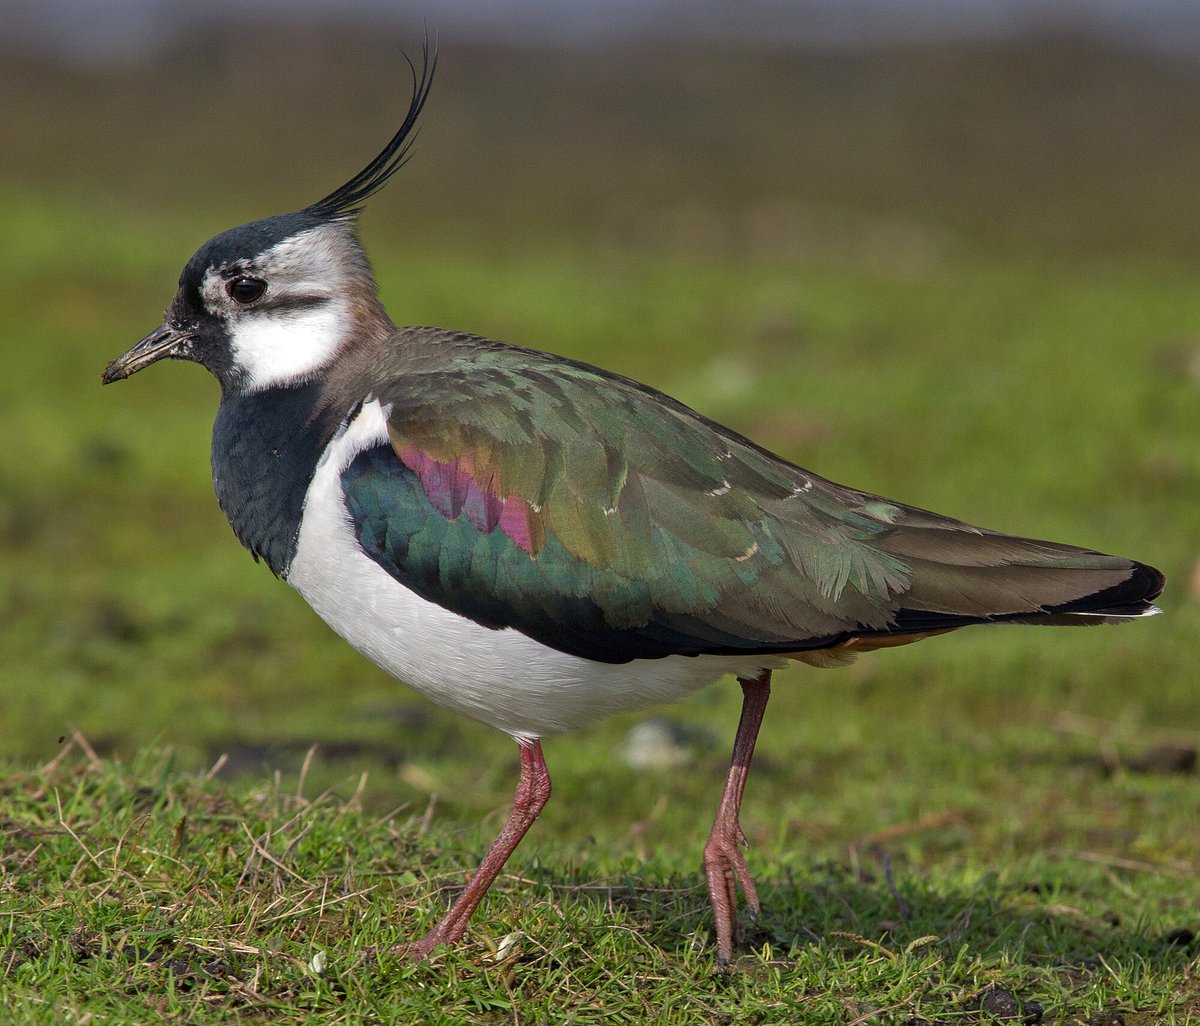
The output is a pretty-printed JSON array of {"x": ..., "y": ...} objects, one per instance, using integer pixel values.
[{"x": 537, "y": 543}]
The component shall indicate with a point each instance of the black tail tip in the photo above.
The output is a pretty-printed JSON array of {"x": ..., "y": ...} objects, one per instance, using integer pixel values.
[{"x": 1133, "y": 596}]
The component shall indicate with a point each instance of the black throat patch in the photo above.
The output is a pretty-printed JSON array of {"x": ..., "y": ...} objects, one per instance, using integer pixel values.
[{"x": 265, "y": 449}]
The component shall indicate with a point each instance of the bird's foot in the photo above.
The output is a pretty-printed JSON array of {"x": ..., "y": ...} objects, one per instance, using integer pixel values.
[
  {"x": 409, "y": 951},
  {"x": 419, "y": 950},
  {"x": 726, "y": 870}
]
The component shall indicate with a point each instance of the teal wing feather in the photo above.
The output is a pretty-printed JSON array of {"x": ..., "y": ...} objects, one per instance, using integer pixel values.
[{"x": 606, "y": 519}]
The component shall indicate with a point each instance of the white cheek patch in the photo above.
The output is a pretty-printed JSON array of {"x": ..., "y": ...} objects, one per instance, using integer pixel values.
[{"x": 277, "y": 347}]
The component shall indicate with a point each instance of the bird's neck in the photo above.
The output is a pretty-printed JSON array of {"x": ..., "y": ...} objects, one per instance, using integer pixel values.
[{"x": 265, "y": 449}]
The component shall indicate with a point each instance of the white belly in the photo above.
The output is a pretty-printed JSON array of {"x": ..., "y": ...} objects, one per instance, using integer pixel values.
[{"x": 502, "y": 678}]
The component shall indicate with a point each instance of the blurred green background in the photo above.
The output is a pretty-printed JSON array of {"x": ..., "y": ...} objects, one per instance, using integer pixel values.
[{"x": 960, "y": 274}]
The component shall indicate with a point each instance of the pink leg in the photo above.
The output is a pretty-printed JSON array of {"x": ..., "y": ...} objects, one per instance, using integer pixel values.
[
  {"x": 533, "y": 791},
  {"x": 724, "y": 864}
]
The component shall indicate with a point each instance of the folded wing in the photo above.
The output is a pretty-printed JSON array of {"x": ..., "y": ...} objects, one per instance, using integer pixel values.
[{"x": 607, "y": 520}]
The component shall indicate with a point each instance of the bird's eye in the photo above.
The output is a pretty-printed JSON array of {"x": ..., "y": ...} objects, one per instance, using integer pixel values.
[{"x": 246, "y": 290}]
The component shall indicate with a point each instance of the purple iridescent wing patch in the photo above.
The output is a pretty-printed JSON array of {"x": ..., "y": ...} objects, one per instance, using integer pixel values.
[{"x": 454, "y": 490}]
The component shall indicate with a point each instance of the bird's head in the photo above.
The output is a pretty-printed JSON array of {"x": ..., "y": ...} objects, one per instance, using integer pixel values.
[{"x": 273, "y": 302}]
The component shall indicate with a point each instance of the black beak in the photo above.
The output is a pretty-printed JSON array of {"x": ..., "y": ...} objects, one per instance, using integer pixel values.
[{"x": 162, "y": 343}]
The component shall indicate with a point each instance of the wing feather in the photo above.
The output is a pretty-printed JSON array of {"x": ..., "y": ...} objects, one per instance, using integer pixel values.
[{"x": 606, "y": 519}]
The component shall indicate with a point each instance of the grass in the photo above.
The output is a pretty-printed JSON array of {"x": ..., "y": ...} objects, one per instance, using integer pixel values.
[
  {"x": 1020, "y": 785},
  {"x": 143, "y": 893}
]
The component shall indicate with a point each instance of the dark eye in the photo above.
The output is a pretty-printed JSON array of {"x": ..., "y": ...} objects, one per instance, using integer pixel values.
[{"x": 246, "y": 290}]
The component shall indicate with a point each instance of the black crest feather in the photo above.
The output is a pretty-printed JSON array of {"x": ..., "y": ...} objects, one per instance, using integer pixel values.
[{"x": 349, "y": 198}]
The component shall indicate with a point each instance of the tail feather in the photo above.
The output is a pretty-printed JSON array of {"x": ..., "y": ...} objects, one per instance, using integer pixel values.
[
  {"x": 1031, "y": 595},
  {"x": 1130, "y": 598}
]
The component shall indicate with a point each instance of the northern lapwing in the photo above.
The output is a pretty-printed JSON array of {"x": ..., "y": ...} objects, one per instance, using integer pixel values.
[{"x": 538, "y": 543}]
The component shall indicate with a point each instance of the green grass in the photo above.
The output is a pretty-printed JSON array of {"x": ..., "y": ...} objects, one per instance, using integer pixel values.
[
  {"x": 145, "y": 893},
  {"x": 1004, "y": 775}
]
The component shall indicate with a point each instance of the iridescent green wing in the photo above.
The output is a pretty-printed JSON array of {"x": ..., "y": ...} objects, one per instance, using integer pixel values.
[{"x": 605, "y": 519}]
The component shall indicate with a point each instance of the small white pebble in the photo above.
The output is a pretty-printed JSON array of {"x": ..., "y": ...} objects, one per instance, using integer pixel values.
[{"x": 661, "y": 743}]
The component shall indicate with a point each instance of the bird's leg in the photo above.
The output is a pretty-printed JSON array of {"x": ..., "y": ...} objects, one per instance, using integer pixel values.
[
  {"x": 532, "y": 793},
  {"x": 724, "y": 864}
]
